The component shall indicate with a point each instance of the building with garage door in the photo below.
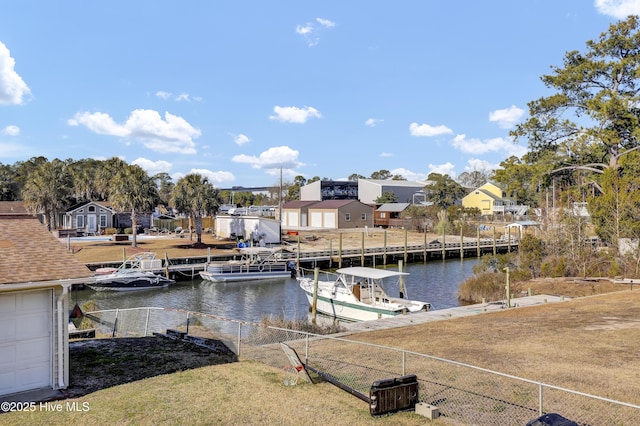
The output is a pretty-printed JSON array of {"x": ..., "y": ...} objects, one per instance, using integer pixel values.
[
  {"x": 295, "y": 214},
  {"x": 340, "y": 214},
  {"x": 36, "y": 273}
]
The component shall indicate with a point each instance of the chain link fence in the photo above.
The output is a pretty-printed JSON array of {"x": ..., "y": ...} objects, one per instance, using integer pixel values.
[{"x": 461, "y": 392}]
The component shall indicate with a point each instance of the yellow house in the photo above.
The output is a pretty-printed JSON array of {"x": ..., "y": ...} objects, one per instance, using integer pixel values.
[{"x": 489, "y": 199}]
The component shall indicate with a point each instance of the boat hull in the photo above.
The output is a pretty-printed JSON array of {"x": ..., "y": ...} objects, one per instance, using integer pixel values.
[
  {"x": 344, "y": 310},
  {"x": 127, "y": 286},
  {"x": 240, "y": 272}
]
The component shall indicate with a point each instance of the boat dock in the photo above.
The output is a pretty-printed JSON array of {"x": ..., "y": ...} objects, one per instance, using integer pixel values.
[
  {"x": 449, "y": 313},
  {"x": 189, "y": 268}
]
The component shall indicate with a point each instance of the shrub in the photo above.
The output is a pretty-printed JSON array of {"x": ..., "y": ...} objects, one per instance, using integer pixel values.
[{"x": 485, "y": 285}]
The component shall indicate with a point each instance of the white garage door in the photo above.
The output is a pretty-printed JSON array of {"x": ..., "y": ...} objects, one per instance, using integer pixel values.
[
  {"x": 316, "y": 219},
  {"x": 25, "y": 341},
  {"x": 329, "y": 220},
  {"x": 292, "y": 219}
]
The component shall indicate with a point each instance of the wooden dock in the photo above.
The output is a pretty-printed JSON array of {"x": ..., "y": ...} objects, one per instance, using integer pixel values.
[{"x": 188, "y": 268}]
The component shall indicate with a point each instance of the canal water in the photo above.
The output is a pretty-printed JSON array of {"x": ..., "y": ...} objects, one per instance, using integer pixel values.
[{"x": 436, "y": 282}]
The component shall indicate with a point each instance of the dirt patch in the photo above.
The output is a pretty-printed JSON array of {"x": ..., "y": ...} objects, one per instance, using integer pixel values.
[{"x": 102, "y": 363}]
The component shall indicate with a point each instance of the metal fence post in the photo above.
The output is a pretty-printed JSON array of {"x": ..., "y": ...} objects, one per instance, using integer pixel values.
[
  {"x": 306, "y": 349},
  {"x": 146, "y": 323},
  {"x": 540, "y": 412},
  {"x": 404, "y": 362},
  {"x": 115, "y": 325}
]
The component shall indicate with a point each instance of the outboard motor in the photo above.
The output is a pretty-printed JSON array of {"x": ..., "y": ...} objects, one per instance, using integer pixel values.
[{"x": 291, "y": 266}]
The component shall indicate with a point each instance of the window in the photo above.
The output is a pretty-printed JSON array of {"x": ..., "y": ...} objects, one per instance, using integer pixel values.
[
  {"x": 79, "y": 221},
  {"x": 383, "y": 215},
  {"x": 103, "y": 221},
  {"x": 363, "y": 216},
  {"x": 347, "y": 217},
  {"x": 92, "y": 209}
]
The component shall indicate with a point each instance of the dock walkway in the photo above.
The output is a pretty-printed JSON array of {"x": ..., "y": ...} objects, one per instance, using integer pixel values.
[{"x": 449, "y": 313}]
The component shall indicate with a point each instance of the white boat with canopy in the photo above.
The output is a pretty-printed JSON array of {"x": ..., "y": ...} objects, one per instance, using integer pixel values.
[{"x": 360, "y": 293}]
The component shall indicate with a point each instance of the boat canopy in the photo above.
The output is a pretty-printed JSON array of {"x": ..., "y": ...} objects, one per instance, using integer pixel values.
[{"x": 370, "y": 273}]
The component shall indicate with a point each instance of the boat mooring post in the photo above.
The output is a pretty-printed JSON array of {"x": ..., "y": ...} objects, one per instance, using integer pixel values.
[
  {"x": 384, "y": 255},
  {"x": 340, "y": 251},
  {"x": 362, "y": 244},
  {"x": 495, "y": 249},
  {"x": 401, "y": 285},
  {"x": 508, "y": 288},
  {"x": 461, "y": 240},
  {"x": 316, "y": 273},
  {"x": 405, "y": 244}
]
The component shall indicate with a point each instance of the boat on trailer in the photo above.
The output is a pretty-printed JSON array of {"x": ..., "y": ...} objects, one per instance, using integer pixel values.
[
  {"x": 135, "y": 273},
  {"x": 255, "y": 263},
  {"x": 360, "y": 294}
]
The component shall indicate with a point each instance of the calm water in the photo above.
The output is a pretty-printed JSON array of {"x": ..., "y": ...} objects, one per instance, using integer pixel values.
[{"x": 435, "y": 282}]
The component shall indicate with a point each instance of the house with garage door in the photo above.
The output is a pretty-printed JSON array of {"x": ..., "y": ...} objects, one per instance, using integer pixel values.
[
  {"x": 340, "y": 214},
  {"x": 295, "y": 214},
  {"x": 36, "y": 274}
]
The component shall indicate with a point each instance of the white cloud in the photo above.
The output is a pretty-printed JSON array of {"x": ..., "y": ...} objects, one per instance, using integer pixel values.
[
  {"x": 152, "y": 167},
  {"x": 11, "y": 130},
  {"x": 408, "y": 174},
  {"x": 427, "y": 130},
  {"x": 372, "y": 122},
  {"x": 182, "y": 97},
  {"x": 294, "y": 114},
  {"x": 618, "y": 8},
  {"x": 273, "y": 158},
  {"x": 13, "y": 90},
  {"x": 475, "y": 164},
  {"x": 477, "y": 146},
  {"x": 386, "y": 154},
  {"x": 99, "y": 123},
  {"x": 325, "y": 23},
  {"x": 216, "y": 178},
  {"x": 173, "y": 134},
  {"x": 443, "y": 169},
  {"x": 304, "y": 29},
  {"x": 310, "y": 30},
  {"x": 506, "y": 118},
  {"x": 240, "y": 139}
]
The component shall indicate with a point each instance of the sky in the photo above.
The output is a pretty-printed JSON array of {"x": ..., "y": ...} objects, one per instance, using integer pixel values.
[{"x": 242, "y": 91}]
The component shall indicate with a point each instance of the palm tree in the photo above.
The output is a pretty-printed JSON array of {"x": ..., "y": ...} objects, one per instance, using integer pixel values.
[
  {"x": 132, "y": 190},
  {"x": 194, "y": 195},
  {"x": 85, "y": 183},
  {"x": 46, "y": 191},
  {"x": 106, "y": 170}
]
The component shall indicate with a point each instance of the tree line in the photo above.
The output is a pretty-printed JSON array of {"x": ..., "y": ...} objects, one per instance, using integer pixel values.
[{"x": 582, "y": 138}]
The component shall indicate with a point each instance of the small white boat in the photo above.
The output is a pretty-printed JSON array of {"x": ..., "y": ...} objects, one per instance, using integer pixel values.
[
  {"x": 359, "y": 294},
  {"x": 256, "y": 263},
  {"x": 136, "y": 273}
]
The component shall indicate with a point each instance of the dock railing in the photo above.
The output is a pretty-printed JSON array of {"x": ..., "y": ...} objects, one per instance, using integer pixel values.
[{"x": 462, "y": 392}]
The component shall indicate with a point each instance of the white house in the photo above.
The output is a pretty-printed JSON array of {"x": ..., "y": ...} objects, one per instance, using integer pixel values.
[{"x": 36, "y": 273}]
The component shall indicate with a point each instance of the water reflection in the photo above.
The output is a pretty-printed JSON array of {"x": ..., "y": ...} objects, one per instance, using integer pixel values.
[{"x": 435, "y": 282}]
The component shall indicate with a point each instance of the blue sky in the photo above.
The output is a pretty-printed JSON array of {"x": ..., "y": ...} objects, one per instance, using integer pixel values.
[{"x": 237, "y": 90}]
